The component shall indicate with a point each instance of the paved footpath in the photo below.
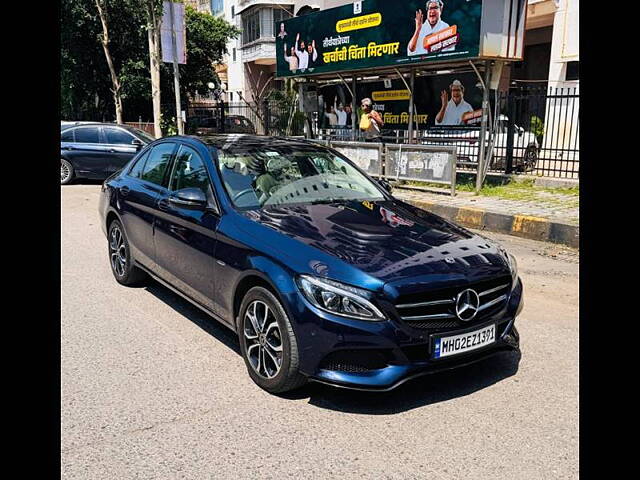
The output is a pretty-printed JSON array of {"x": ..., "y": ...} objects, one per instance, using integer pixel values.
[
  {"x": 547, "y": 216},
  {"x": 152, "y": 388}
]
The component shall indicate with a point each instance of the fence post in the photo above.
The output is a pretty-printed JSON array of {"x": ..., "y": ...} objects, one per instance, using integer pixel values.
[
  {"x": 266, "y": 115},
  {"x": 511, "y": 130},
  {"x": 222, "y": 122}
]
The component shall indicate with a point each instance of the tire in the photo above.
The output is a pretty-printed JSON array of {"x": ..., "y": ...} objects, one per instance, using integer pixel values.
[
  {"x": 66, "y": 172},
  {"x": 260, "y": 340},
  {"x": 122, "y": 267}
]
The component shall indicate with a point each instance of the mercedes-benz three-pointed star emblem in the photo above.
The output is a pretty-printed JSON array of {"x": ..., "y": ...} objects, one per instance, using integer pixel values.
[{"x": 467, "y": 305}]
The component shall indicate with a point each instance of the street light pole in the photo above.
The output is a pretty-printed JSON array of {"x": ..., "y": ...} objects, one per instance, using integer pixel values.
[{"x": 176, "y": 73}]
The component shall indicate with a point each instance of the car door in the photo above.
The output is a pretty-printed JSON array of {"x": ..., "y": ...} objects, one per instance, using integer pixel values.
[
  {"x": 87, "y": 153},
  {"x": 185, "y": 239},
  {"x": 138, "y": 196},
  {"x": 118, "y": 144}
]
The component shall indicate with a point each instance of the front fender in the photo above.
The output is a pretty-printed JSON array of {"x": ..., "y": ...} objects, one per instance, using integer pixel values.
[{"x": 277, "y": 276}]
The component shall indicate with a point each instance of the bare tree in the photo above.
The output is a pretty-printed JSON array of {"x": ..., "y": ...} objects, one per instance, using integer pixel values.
[
  {"x": 153, "y": 10},
  {"x": 117, "y": 97},
  {"x": 259, "y": 92}
]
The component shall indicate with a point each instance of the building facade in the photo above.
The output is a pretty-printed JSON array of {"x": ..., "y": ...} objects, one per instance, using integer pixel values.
[{"x": 551, "y": 54}]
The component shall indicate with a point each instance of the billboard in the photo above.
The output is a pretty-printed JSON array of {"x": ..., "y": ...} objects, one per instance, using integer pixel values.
[
  {"x": 178, "y": 24},
  {"x": 381, "y": 33},
  {"x": 440, "y": 100}
]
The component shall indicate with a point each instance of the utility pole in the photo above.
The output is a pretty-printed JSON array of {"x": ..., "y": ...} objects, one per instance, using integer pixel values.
[
  {"x": 176, "y": 73},
  {"x": 483, "y": 127}
]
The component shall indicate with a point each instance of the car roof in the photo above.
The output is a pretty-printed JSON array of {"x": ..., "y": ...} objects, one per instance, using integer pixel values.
[{"x": 231, "y": 140}]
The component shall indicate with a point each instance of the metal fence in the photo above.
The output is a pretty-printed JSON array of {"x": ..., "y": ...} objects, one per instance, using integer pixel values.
[
  {"x": 532, "y": 131},
  {"x": 275, "y": 118}
]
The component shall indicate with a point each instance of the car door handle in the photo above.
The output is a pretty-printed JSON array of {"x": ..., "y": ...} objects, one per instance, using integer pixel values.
[
  {"x": 177, "y": 230},
  {"x": 124, "y": 191},
  {"x": 112, "y": 150},
  {"x": 66, "y": 148},
  {"x": 163, "y": 204}
]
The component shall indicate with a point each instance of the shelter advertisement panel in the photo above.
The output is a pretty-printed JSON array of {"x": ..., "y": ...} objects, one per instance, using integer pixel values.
[
  {"x": 383, "y": 33},
  {"x": 440, "y": 100}
]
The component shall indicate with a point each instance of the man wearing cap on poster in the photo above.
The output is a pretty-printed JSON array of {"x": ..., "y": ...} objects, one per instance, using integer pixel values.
[
  {"x": 433, "y": 24},
  {"x": 452, "y": 110}
]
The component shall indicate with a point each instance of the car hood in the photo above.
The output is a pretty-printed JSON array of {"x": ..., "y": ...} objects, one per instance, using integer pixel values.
[{"x": 389, "y": 240}]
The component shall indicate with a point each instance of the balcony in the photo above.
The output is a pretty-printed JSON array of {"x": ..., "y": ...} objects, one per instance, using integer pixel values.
[{"x": 261, "y": 51}]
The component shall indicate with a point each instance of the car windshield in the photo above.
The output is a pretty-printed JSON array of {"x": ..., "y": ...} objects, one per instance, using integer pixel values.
[{"x": 261, "y": 177}]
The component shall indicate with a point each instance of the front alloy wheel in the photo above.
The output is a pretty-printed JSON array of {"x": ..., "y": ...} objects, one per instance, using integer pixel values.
[
  {"x": 268, "y": 343},
  {"x": 263, "y": 340}
]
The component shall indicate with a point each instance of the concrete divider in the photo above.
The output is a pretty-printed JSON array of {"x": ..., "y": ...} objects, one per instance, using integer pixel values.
[{"x": 534, "y": 228}]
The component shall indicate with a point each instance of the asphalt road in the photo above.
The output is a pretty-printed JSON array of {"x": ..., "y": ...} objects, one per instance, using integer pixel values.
[{"x": 154, "y": 388}]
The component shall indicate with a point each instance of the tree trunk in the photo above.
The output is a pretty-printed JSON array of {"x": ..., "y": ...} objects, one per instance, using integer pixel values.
[
  {"x": 117, "y": 97},
  {"x": 153, "y": 32}
]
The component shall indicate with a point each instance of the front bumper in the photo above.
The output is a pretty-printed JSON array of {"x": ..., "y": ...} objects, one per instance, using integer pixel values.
[{"x": 387, "y": 354}]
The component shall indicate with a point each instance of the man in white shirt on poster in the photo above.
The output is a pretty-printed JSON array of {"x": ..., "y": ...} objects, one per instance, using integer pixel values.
[
  {"x": 452, "y": 110},
  {"x": 433, "y": 24},
  {"x": 303, "y": 54}
]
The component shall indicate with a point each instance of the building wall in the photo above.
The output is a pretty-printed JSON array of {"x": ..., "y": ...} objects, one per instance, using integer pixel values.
[{"x": 551, "y": 41}]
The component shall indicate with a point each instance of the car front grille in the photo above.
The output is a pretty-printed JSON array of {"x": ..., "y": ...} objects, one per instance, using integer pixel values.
[
  {"x": 354, "y": 361},
  {"x": 435, "y": 310}
]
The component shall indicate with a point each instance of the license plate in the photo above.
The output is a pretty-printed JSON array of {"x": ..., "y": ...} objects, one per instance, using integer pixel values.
[{"x": 464, "y": 342}]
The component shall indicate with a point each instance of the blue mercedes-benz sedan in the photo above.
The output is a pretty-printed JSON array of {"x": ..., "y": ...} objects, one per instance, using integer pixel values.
[{"x": 321, "y": 272}]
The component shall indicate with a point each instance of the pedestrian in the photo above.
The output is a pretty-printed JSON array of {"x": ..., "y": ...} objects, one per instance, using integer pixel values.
[
  {"x": 342, "y": 115},
  {"x": 370, "y": 122},
  {"x": 331, "y": 116}
]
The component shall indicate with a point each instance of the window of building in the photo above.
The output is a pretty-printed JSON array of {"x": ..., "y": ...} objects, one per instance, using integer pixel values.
[
  {"x": 573, "y": 71},
  {"x": 251, "y": 26},
  {"x": 259, "y": 23},
  {"x": 217, "y": 6},
  {"x": 233, "y": 10},
  {"x": 234, "y": 54}
]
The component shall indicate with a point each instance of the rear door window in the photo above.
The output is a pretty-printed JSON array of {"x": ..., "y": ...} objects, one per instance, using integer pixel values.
[
  {"x": 156, "y": 164},
  {"x": 87, "y": 135},
  {"x": 138, "y": 166}
]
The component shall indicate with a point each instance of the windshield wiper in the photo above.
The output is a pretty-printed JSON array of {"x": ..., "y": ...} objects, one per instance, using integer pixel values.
[{"x": 328, "y": 201}]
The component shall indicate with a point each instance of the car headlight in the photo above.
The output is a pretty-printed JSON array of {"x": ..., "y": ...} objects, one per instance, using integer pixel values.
[
  {"x": 513, "y": 266},
  {"x": 338, "y": 298}
]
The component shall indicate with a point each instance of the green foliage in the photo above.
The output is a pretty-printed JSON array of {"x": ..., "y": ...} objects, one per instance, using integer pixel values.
[
  {"x": 85, "y": 80},
  {"x": 169, "y": 126},
  {"x": 207, "y": 38},
  {"x": 536, "y": 126}
]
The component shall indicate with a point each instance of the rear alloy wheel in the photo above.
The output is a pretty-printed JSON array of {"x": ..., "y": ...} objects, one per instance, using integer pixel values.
[
  {"x": 267, "y": 342},
  {"x": 120, "y": 258},
  {"x": 66, "y": 171}
]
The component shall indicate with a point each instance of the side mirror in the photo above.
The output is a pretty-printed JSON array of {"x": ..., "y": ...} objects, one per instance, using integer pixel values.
[
  {"x": 384, "y": 184},
  {"x": 189, "y": 198},
  {"x": 137, "y": 143}
]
